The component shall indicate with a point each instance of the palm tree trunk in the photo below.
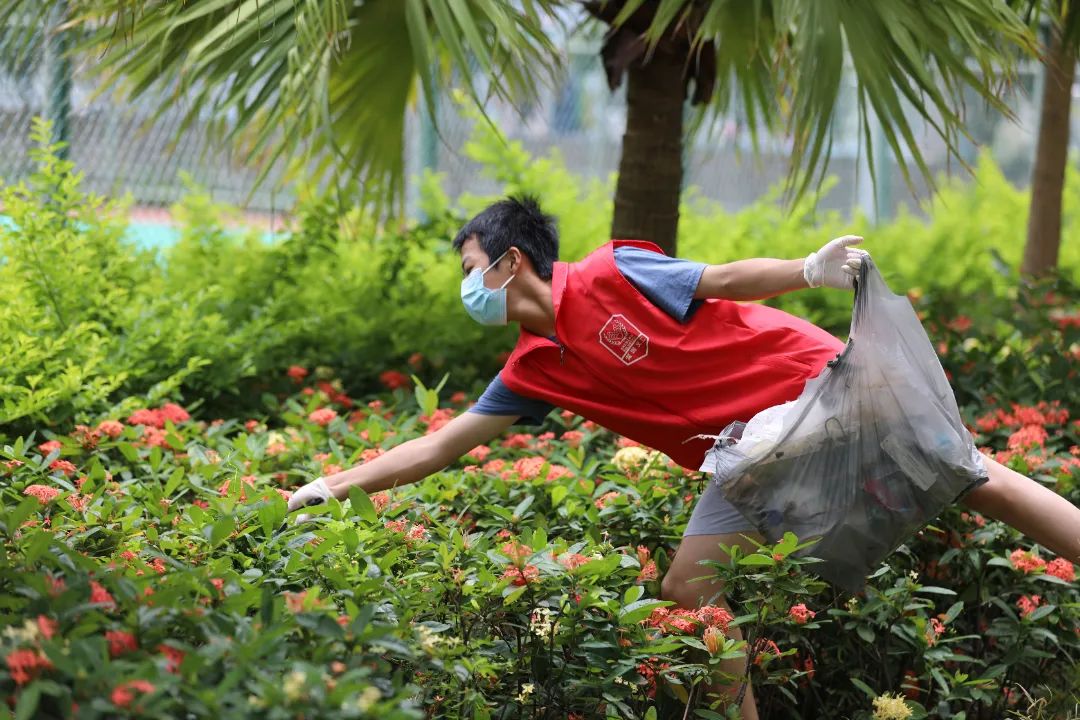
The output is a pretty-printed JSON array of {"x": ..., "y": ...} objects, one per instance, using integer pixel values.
[
  {"x": 1048, "y": 174},
  {"x": 650, "y": 169}
]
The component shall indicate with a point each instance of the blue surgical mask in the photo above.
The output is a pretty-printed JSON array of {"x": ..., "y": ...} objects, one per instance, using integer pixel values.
[{"x": 484, "y": 305}]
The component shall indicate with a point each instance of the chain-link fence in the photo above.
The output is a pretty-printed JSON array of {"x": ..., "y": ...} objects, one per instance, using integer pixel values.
[{"x": 118, "y": 147}]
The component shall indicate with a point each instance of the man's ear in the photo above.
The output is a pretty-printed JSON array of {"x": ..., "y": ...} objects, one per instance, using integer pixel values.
[{"x": 515, "y": 256}]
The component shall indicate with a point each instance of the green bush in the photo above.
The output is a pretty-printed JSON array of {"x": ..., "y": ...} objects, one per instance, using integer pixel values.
[
  {"x": 92, "y": 319},
  {"x": 150, "y": 571}
]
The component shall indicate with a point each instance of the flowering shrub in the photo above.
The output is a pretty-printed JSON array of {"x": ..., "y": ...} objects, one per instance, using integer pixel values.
[
  {"x": 155, "y": 574},
  {"x": 150, "y": 569}
]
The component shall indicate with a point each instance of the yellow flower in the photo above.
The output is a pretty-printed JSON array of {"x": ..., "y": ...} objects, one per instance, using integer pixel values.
[
  {"x": 887, "y": 707},
  {"x": 429, "y": 640},
  {"x": 364, "y": 702},
  {"x": 630, "y": 458},
  {"x": 294, "y": 685}
]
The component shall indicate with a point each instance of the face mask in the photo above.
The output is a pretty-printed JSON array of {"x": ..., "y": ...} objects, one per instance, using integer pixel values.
[{"x": 484, "y": 305}]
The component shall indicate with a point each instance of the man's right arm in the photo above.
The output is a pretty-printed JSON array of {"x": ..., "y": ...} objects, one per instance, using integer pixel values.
[{"x": 414, "y": 460}]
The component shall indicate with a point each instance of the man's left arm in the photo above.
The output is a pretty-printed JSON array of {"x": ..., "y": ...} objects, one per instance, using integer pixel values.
[{"x": 834, "y": 265}]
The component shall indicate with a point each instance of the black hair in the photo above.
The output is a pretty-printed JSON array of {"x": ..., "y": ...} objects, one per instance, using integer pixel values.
[{"x": 515, "y": 221}]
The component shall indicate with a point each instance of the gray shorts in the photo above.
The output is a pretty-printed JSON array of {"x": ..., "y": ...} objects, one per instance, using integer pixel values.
[{"x": 714, "y": 515}]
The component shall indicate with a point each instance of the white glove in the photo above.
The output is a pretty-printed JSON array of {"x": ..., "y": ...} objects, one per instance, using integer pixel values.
[
  {"x": 836, "y": 264},
  {"x": 314, "y": 493}
]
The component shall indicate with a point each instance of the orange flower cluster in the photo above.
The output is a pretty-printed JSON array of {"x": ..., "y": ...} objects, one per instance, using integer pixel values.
[{"x": 169, "y": 412}]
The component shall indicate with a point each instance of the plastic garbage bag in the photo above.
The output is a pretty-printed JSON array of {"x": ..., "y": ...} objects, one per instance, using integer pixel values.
[{"x": 871, "y": 451}]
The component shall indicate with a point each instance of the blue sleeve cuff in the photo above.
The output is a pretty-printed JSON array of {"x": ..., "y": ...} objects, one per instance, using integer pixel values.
[{"x": 498, "y": 399}]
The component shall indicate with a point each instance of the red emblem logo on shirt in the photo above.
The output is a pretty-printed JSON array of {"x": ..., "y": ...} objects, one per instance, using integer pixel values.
[{"x": 623, "y": 340}]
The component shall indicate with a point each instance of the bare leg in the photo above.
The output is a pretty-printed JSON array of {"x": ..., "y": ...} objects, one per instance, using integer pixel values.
[
  {"x": 1030, "y": 507},
  {"x": 676, "y": 586}
]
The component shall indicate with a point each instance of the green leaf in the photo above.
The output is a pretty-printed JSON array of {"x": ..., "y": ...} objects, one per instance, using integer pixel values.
[
  {"x": 558, "y": 494},
  {"x": 155, "y": 458},
  {"x": 267, "y": 606},
  {"x": 320, "y": 624},
  {"x": 864, "y": 687},
  {"x": 128, "y": 451},
  {"x": 787, "y": 545},
  {"x": 519, "y": 511},
  {"x": 513, "y": 595},
  {"x": 1040, "y": 612},
  {"x": 18, "y": 516},
  {"x": 175, "y": 478},
  {"x": 271, "y": 515},
  {"x": 693, "y": 642},
  {"x": 221, "y": 529},
  {"x": 599, "y": 568},
  {"x": 28, "y": 702},
  {"x": 756, "y": 559},
  {"x": 934, "y": 590},
  {"x": 375, "y": 430},
  {"x": 637, "y": 611},
  {"x": 362, "y": 504},
  {"x": 865, "y": 632},
  {"x": 39, "y": 544}
]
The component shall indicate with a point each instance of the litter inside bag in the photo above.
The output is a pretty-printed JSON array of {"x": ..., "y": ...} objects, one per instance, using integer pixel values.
[{"x": 871, "y": 451}]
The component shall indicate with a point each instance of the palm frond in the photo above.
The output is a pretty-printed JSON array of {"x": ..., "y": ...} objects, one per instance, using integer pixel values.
[
  {"x": 325, "y": 82},
  {"x": 785, "y": 61}
]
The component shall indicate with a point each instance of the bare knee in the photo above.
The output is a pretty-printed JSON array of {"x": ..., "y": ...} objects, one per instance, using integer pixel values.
[{"x": 688, "y": 593}]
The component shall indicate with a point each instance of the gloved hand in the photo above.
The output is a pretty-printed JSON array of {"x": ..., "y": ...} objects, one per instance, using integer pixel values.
[
  {"x": 314, "y": 493},
  {"x": 836, "y": 264}
]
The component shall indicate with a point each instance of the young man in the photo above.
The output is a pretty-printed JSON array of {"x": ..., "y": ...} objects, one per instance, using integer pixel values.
[{"x": 657, "y": 349}]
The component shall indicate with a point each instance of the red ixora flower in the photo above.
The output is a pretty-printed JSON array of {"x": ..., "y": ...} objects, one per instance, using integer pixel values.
[
  {"x": 112, "y": 428},
  {"x": 1026, "y": 561},
  {"x": 47, "y": 626},
  {"x": 678, "y": 620},
  {"x": 64, "y": 466},
  {"x": 934, "y": 630},
  {"x": 43, "y": 493},
  {"x": 120, "y": 642},
  {"x": 393, "y": 379},
  {"x": 648, "y": 572},
  {"x": 572, "y": 560},
  {"x": 24, "y": 665},
  {"x": 1061, "y": 568},
  {"x": 572, "y": 438},
  {"x": 521, "y": 576},
  {"x": 297, "y": 373},
  {"x": 169, "y": 412},
  {"x": 765, "y": 649},
  {"x": 173, "y": 657},
  {"x": 1028, "y": 436},
  {"x": 124, "y": 693},
  {"x": 323, "y": 416},
  {"x": 299, "y": 601},
  {"x": 99, "y": 594},
  {"x": 801, "y": 614},
  {"x": 1027, "y": 604},
  {"x": 48, "y": 446},
  {"x": 517, "y": 552},
  {"x": 713, "y": 616}
]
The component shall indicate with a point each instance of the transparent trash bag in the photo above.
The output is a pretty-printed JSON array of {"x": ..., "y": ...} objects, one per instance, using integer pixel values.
[{"x": 871, "y": 451}]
